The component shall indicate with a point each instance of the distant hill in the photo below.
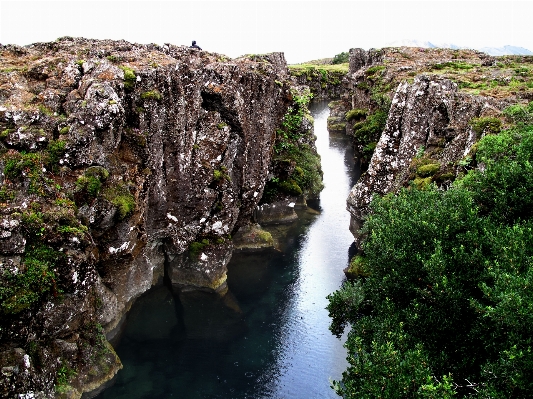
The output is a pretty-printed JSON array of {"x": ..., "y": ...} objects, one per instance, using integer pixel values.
[{"x": 505, "y": 50}]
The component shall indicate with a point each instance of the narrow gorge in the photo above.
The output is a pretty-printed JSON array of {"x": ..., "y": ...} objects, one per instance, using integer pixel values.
[{"x": 125, "y": 166}]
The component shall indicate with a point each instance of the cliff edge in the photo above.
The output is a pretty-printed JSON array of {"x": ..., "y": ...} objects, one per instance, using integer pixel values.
[{"x": 119, "y": 160}]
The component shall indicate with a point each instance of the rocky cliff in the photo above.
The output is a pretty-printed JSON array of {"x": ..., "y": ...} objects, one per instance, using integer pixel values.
[
  {"x": 119, "y": 160},
  {"x": 416, "y": 114}
]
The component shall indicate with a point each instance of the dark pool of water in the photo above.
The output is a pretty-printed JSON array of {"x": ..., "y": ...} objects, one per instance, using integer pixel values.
[{"x": 268, "y": 337}]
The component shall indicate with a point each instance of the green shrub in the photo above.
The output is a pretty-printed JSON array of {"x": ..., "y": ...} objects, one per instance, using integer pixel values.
[
  {"x": 341, "y": 58},
  {"x": 519, "y": 113},
  {"x": 357, "y": 267},
  {"x": 447, "y": 300},
  {"x": 370, "y": 129}
]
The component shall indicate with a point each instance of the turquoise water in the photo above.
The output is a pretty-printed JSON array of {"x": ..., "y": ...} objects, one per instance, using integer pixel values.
[{"x": 268, "y": 337}]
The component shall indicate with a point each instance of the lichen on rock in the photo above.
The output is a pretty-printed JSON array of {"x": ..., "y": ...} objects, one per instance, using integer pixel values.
[{"x": 115, "y": 158}]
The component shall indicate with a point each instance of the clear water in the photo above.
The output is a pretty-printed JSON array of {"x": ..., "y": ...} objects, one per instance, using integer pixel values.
[{"x": 268, "y": 337}]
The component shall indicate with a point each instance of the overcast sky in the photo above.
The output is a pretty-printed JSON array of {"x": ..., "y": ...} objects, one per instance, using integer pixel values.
[{"x": 303, "y": 30}]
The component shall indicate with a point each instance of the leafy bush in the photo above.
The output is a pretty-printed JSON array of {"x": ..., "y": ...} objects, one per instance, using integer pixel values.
[
  {"x": 341, "y": 58},
  {"x": 446, "y": 306},
  {"x": 519, "y": 113}
]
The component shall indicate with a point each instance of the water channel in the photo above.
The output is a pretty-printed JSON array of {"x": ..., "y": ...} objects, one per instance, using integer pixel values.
[{"x": 268, "y": 337}]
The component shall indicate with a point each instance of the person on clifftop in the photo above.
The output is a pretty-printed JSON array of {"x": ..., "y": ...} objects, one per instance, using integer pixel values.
[{"x": 194, "y": 45}]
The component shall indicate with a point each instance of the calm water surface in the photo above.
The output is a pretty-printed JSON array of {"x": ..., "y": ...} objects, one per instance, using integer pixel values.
[{"x": 268, "y": 337}]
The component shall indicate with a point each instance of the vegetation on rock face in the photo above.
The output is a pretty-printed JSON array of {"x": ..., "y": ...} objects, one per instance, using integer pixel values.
[
  {"x": 295, "y": 159},
  {"x": 445, "y": 306},
  {"x": 129, "y": 77}
]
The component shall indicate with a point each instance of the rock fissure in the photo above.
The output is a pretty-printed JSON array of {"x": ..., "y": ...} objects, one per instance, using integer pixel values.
[{"x": 121, "y": 164}]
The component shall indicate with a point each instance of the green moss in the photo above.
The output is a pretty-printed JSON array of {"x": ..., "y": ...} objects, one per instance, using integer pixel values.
[
  {"x": 45, "y": 110},
  {"x": 290, "y": 187},
  {"x": 113, "y": 58},
  {"x": 422, "y": 182},
  {"x": 33, "y": 281},
  {"x": 129, "y": 77},
  {"x": 90, "y": 182},
  {"x": 6, "y": 194},
  {"x": 6, "y": 133},
  {"x": 265, "y": 236},
  {"x": 222, "y": 125},
  {"x": 196, "y": 247},
  {"x": 337, "y": 127},
  {"x": 151, "y": 95},
  {"x": 329, "y": 74},
  {"x": 26, "y": 165},
  {"x": 64, "y": 130},
  {"x": 121, "y": 197},
  {"x": 374, "y": 70},
  {"x": 454, "y": 65},
  {"x": 355, "y": 114},
  {"x": 220, "y": 174},
  {"x": 428, "y": 169},
  {"x": 485, "y": 125},
  {"x": 56, "y": 149},
  {"x": 369, "y": 130}
]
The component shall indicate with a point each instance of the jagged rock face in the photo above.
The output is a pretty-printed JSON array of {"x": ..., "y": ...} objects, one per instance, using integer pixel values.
[
  {"x": 427, "y": 117},
  {"x": 360, "y": 58},
  {"x": 324, "y": 87},
  {"x": 160, "y": 145}
]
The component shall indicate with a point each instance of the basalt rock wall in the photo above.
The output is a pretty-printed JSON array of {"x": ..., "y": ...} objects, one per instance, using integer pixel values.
[
  {"x": 116, "y": 159},
  {"x": 427, "y": 118}
]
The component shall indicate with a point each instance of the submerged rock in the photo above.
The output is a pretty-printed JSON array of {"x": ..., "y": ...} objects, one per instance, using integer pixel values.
[{"x": 252, "y": 238}]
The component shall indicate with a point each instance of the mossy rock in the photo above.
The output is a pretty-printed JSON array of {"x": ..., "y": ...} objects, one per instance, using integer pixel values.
[
  {"x": 337, "y": 127},
  {"x": 422, "y": 182},
  {"x": 356, "y": 114},
  {"x": 428, "y": 169}
]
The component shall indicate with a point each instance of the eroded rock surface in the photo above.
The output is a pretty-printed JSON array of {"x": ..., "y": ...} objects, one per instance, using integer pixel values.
[
  {"x": 424, "y": 99},
  {"x": 116, "y": 158}
]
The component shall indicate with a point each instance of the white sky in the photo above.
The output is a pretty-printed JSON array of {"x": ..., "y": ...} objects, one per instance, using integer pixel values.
[{"x": 303, "y": 30}]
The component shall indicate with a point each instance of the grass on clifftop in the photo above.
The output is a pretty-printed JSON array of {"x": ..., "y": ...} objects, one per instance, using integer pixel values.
[{"x": 300, "y": 69}]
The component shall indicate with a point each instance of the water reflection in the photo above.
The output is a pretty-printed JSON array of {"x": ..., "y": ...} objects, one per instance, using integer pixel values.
[{"x": 268, "y": 336}]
